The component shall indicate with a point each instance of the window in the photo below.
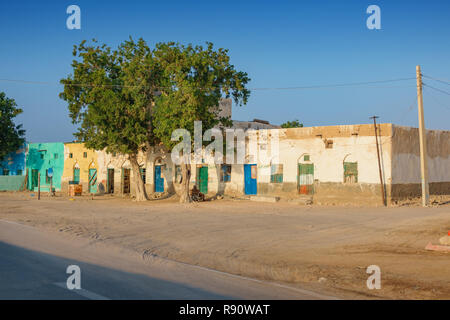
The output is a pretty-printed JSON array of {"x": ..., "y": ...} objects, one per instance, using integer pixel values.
[
  {"x": 19, "y": 172},
  {"x": 329, "y": 144},
  {"x": 276, "y": 174},
  {"x": 5, "y": 172},
  {"x": 71, "y": 155},
  {"x": 42, "y": 156},
  {"x": 55, "y": 155},
  {"x": 306, "y": 157},
  {"x": 226, "y": 173},
  {"x": 142, "y": 171},
  {"x": 84, "y": 154},
  {"x": 350, "y": 172},
  {"x": 76, "y": 175}
]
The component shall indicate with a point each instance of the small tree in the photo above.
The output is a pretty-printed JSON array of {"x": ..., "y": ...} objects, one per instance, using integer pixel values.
[
  {"x": 292, "y": 124},
  {"x": 110, "y": 95},
  {"x": 11, "y": 135},
  {"x": 194, "y": 79}
]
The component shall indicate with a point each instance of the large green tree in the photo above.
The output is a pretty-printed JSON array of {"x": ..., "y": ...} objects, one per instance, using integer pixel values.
[
  {"x": 11, "y": 135},
  {"x": 110, "y": 96},
  {"x": 193, "y": 80}
]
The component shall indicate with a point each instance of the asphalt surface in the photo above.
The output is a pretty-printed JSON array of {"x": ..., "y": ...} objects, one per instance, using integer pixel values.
[{"x": 33, "y": 265}]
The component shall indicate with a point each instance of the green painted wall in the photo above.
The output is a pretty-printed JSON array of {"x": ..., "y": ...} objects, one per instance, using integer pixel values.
[
  {"x": 11, "y": 183},
  {"x": 41, "y": 157}
]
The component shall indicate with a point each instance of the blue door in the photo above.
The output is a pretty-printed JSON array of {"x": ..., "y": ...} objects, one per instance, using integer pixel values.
[
  {"x": 159, "y": 181},
  {"x": 250, "y": 178}
]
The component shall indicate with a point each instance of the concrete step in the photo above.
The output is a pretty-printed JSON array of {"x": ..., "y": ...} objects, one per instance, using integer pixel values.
[{"x": 265, "y": 198}]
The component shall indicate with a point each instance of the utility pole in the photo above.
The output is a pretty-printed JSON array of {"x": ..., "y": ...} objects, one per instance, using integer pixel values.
[
  {"x": 422, "y": 141},
  {"x": 379, "y": 160}
]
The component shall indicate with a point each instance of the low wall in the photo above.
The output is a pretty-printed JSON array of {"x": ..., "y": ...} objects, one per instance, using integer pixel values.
[{"x": 11, "y": 183}]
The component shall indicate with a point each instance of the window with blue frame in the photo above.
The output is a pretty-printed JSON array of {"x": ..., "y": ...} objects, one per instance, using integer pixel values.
[
  {"x": 276, "y": 173},
  {"x": 226, "y": 173}
]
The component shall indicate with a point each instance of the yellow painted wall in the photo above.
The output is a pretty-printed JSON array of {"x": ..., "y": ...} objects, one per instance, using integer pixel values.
[{"x": 77, "y": 150}]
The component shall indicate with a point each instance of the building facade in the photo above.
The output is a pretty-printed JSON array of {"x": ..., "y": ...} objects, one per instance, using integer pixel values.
[
  {"x": 80, "y": 167},
  {"x": 12, "y": 170},
  {"x": 330, "y": 165},
  {"x": 46, "y": 159}
]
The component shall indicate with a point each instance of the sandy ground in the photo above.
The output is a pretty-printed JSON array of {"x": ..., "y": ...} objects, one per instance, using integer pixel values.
[{"x": 283, "y": 242}]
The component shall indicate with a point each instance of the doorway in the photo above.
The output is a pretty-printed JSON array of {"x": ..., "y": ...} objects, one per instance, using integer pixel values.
[
  {"x": 159, "y": 180},
  {"x": 92, "y": 180},
  {"x": 202, "y": 179},
  {"x": 126, "y": 173},
  {"x": 34, "y": 178},
  {"x": 250, "y": 181},
  {"x": 306, "y": 178},
  {"x": 110, "y": 181}
]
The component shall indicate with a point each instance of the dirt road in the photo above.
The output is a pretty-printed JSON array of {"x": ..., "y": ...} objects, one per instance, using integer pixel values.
[
  {"x": 34, "y": 264},
  {"x": 324, "y": 249}
]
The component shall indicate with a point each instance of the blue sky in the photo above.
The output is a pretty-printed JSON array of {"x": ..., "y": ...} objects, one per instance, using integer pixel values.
[{"x": 278, "y": 43}]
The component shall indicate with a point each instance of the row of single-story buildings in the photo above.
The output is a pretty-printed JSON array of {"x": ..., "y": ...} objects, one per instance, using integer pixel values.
[{"x": 330, "y": 164}]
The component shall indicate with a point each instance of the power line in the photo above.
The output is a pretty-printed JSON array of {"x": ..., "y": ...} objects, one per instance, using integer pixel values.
[
  {"x": 256, "y": 89},
  {"x": 438, "y": 102},
  {"x": 442, "y": 91},
  {"x": 447, "y": 82}
]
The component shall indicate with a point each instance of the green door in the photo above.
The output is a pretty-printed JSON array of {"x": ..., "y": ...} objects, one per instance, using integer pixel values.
[
  {"x": 92, "y": 180},
  {"x": 34, "y": 178},
  {"x": 306, "y": 178},
  {"x": 202, "y": 180}
]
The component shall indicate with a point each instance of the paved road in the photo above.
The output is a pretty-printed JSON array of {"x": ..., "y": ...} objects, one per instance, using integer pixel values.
[{"x": 33, "y": 266}]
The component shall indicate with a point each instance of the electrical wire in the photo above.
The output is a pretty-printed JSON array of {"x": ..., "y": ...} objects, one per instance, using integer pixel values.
[
  {"x": 438, "y": 102},
  {"x": 256, "y": 89},
  {"x": 447, "y": 82},
  {"x": 442, "y": 91}
]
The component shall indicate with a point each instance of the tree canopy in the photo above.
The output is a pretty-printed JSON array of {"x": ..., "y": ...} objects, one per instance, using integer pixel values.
[
  {"x": 292, "y": 124},
  {"x": 110, "y": 95},
  {"x": 11, "y": 135},
  {"x": 194, "y": 79},
  {"x": 128, "y": 99}
]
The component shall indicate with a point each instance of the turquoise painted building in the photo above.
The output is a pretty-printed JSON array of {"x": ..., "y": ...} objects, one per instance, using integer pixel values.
[
  {"x": 45, "y": 158},
  {"x": 12, "y": 171}
]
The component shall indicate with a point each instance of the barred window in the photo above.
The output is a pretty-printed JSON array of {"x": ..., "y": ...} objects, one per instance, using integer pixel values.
[
  {"x": 276, "y": 174},
  {"x": 226, "y": 173}
]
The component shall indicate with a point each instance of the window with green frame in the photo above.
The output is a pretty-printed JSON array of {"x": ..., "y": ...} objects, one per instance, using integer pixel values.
[
  {"x": 276, "y": 173},
  {"x": 350, "y": 172}
]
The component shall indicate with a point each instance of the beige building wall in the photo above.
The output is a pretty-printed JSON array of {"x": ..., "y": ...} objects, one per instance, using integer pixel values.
[
  {"x": 76, "y": 155},
  {"x": 328, "y": 148}
]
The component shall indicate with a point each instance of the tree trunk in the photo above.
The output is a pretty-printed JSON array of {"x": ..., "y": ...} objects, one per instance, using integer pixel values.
[
  {"x": 139, "y": 186},
  {"x": 186, "y": 177}
]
